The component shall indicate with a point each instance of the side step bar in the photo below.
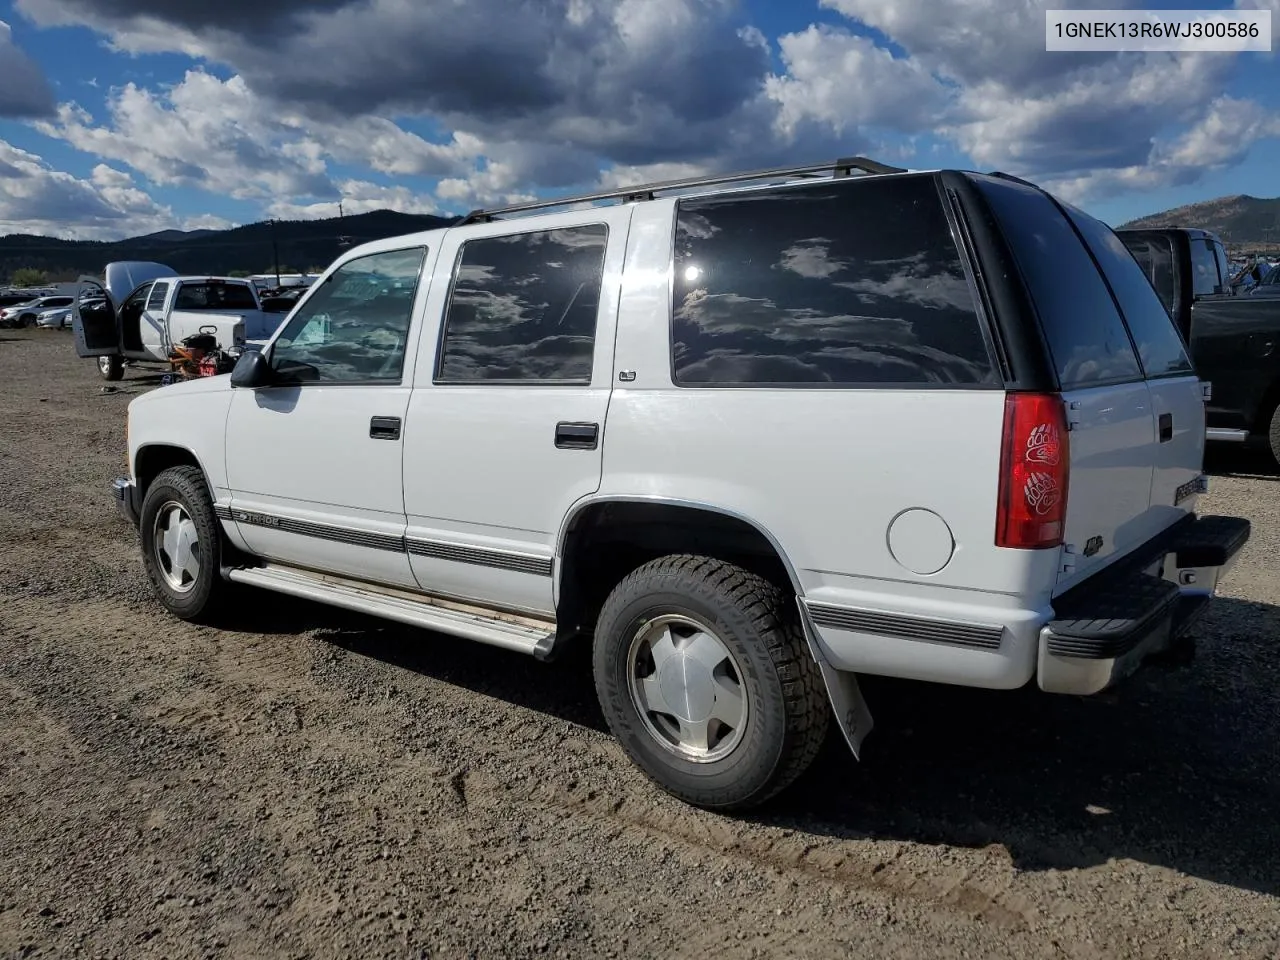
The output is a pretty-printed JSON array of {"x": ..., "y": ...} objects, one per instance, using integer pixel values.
[
  {"x": 1227, "y": 435},
  {"x": 509, "y": 631}
]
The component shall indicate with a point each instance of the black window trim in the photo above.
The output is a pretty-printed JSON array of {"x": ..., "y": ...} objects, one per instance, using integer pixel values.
[
  {"x": 438, "y": 363},
  {"x": 993, "y": 354},
  {"x": 269, "y": 351}
]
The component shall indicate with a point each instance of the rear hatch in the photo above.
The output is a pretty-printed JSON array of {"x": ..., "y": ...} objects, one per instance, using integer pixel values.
[{"x": 1134, "y": 407}]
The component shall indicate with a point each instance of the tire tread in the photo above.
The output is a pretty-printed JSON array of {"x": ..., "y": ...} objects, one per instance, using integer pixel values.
[{"x": 765, "y": 604}]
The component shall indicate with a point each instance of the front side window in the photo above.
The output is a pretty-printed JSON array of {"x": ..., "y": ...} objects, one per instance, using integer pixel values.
[
  {"x": 158, "y": 292},
  {"x": 1204, "y": 268},
  {"x": 1160, "y": 348},
  {"x": 523, "y": 307},
  {"x": 355, "y": 327},
  {"x": 839, "y": 284}
]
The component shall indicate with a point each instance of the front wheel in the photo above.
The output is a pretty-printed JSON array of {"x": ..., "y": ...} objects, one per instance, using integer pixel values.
[
  {"x": 111, "y": 368},
  {"x": 705, "y": 678},
  {"x": 182, "y": 544}
]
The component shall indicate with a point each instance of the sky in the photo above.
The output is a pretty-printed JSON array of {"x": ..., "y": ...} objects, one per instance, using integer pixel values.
[{"x": 122, "y": 117}]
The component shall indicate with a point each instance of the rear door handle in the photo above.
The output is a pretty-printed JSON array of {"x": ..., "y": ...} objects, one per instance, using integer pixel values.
[
  {"x": 1166, "y": 427},
  {"x": 385, "y": 428},
  {"x": 577, "y": 436}
]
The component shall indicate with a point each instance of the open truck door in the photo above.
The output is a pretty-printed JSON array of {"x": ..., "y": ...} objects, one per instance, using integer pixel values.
[
  {"x": 95, "y": 315},
  {"x": 93, "y": 321}
]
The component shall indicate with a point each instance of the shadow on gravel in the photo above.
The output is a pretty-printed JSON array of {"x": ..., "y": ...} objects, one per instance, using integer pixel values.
[
  {"x": 1176, "y": 768},
  {"x": 1232, "y": 460}
]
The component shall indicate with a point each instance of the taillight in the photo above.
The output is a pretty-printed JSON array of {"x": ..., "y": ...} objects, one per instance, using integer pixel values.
[{"x": 1035, "y": 461}]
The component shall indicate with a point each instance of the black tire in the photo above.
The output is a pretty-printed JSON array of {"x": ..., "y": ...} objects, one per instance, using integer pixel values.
[
  {"x": 1273, "y": 435},
  {"x": 787, "y": 709},
  {"x": 27, "y": 320},
  {"x": 110, "y": 368},
  {"x": 202, "y": 599}
]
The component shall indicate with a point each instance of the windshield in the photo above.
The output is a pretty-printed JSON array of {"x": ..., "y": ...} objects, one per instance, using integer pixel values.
[{"x": 214, "y": 296}]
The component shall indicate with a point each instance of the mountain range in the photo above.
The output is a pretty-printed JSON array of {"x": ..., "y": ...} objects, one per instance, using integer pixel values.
[
  {"x": 296, "y": 245},
  {"x": 1246, "y": 224}
]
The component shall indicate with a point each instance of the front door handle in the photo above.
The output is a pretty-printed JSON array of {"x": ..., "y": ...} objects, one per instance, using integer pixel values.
[
  {"x": 385, "y": 428},
  {"x": 577, "y": 436},
  {"x": 1166, "y": 427}
]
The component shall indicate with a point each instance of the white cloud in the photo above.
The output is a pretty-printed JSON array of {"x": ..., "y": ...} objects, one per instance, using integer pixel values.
[
  {"x": 567, "y": 94},
  {"x": 37, "y": 199},
  {"x": 358, "y": 196},
  {"x": 845, "y": 82}
]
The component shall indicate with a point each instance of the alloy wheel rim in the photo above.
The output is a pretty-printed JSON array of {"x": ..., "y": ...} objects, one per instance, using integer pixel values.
[
  {"x": 177, "y": 546},
  {"x": 687, "y": 687}
]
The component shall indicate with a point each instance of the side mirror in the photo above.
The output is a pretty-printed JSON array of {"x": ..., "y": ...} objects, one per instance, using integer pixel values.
[{"x": 252, "y": 370}]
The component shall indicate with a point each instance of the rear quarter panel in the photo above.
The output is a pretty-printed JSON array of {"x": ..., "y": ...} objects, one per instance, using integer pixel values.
[{"x": 826, "y": 473}]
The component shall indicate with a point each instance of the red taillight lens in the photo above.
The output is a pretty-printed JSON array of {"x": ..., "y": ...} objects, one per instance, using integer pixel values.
[{"x": 1035, "y": 462}]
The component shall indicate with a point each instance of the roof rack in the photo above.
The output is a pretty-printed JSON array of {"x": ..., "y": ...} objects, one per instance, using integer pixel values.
[{"x": 843, "y": 167}]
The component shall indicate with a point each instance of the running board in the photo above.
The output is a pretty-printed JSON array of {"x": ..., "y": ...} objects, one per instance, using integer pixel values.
[{"x": 509, "y": 631}]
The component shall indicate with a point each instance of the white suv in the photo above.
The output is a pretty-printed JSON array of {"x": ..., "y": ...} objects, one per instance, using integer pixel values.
[{"x": 750, "y": 440}]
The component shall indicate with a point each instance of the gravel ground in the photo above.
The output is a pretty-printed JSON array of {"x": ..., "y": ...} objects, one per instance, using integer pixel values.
[{"x": 310, "y": 783}]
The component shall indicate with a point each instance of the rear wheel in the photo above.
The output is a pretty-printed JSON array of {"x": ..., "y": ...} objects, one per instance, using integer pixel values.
[
  {"x": 705, "y": 678},
  {"x": 182, "y": 544},
  {"x": 111, "y": 368}
]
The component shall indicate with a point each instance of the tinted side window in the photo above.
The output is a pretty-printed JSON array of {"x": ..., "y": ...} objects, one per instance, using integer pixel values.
[
  {"x": 523, "y": 307},
  {"x": 158, "y": 292},
  {"x": 1155, "y": 258},
  {"x": 1224, "y": 264},
  {"x": 1087, "y": 339},
  {"x": 852, "y": 283},
  {"x": 1160, "y": 348},
  {"x": 1204, "y": 268},
  {"x": 353, "y": 329}
]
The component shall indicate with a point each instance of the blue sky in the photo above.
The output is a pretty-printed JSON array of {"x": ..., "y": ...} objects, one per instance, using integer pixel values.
[{"x": 120, "y": 117}]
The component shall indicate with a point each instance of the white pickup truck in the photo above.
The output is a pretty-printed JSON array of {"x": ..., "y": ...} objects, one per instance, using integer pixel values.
[{"x": 141, "y": 310}]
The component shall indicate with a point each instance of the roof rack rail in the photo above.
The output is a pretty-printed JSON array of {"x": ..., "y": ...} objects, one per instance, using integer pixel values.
[{"x": 843, "y": 167}]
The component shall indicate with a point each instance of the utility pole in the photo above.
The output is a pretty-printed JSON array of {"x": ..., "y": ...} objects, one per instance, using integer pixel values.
[{"x": 275, "y": 250}]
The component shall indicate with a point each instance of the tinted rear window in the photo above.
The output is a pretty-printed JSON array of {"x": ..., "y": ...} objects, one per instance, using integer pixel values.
[
  {"x": 214, "y": 296},
  {"x": 1160, "y": 348},
  {"x": 1087, "y": 340},
  {"x": 855, "y": 283}
]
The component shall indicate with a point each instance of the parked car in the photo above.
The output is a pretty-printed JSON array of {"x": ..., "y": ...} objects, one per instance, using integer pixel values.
[
  {"x": 24, "y": 314},
  {"x": 144, "y": 311},
  {"x": 1233, "y": 337},
  {"x": 749, "y": 437},
  {"x": 56, "y": 318}
]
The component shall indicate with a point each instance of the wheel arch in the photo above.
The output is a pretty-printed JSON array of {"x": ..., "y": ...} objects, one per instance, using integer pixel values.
[
  {"x": 152, "y": 459},
  {"x": 646, "y": 526}
]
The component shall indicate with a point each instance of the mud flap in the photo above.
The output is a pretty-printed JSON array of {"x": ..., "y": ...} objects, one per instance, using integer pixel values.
[{"x": 850, "y": 709}]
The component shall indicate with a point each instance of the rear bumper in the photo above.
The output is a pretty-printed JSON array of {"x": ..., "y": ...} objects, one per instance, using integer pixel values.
[
  {"x": 1104, "y": 628},
  {"x": 126, "y": 496}
]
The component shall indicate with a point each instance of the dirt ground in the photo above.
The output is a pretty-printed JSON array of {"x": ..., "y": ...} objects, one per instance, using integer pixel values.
[{"x": 315, "y": 784}]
